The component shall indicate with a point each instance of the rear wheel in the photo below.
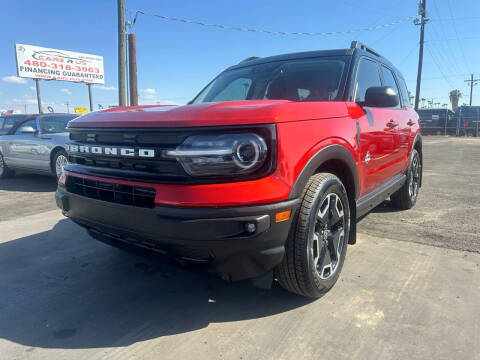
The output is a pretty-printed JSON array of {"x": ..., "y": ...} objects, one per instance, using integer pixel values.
[
  {"x": 317, "y": 242},
  {"x": 406, "y": 197},
  {"x": 60, "y": 159},
  {"x": 5, "y": 172}
]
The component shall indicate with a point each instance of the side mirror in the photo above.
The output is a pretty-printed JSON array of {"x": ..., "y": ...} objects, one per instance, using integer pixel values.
[
  {"x": 28, "y": 130},
  {"x": 381, "y": 96}
]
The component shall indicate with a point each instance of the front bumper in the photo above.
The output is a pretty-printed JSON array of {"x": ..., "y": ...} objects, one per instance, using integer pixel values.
[{"x": 219, "y": 240}]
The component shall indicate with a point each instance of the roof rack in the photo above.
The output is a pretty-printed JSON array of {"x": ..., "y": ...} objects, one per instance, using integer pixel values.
[
  {"x": 249, "y": 59},
  {"x": 359, "y": 45}
]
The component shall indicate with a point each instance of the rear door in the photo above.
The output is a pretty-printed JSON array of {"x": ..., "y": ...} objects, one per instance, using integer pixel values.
[
  {"x": 377, "y": 129},
  {"x": 25, "y": 149},
  {"x": 398, "y": 115}
]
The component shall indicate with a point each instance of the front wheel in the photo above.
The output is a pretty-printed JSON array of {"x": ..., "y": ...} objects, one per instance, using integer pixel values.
[
  {"x": 5, "y": 171},
  {"x": 317, "y": 243},
  {"x": 60, "y": 159},
  {"x": 406, "y": 197}
]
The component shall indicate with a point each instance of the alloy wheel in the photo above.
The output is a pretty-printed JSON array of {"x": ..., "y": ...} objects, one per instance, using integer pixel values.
[
  {"x": 414, "y": 179},
  {"x": 328, "y": 236},
  {"x": 60, "y": 163}
]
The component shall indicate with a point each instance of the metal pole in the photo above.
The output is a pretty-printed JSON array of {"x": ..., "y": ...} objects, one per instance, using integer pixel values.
[
  {"x": 446, "y": 116},
  {"x": 39, "y": 100},
  {"x": 121, "y": 52},
  {"x": 422, "y": 12},
  {"x": 90, "y": 96},
  {"x": 132, "y": 70},
  {"x": 68, "y": 107},
  {"x": 127, "y": 69},
  {"x": 471, "y": 88},
  {"x": 477, "y": 124}
]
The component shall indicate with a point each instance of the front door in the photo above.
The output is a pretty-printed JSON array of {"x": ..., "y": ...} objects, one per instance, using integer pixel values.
[{"x": 378, "y": 129}]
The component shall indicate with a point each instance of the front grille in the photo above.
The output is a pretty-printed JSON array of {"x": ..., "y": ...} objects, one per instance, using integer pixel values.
[
  {"x": 134, "y": 168},
  {"x": 156, "y": 169},
  {"x": 117, "y": 193}
]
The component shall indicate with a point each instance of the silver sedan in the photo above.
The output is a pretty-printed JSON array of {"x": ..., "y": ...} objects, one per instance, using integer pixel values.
[{"x": 35, "y": 145}]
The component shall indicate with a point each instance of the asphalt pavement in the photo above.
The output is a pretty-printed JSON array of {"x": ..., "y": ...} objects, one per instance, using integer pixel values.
[{"x": 410, "y": 287}]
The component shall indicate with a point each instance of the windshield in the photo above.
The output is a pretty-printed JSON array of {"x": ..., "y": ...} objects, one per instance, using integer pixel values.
[
  {"x": 55, "y": 124},
  {"x": 314, "y": 79}
]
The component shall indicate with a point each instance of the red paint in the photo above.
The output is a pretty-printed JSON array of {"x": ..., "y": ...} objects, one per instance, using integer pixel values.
[{"x": 303, "y": 129}]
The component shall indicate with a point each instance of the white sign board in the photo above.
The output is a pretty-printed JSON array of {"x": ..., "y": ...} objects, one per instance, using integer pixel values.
[{"x": 50, "y": 64}]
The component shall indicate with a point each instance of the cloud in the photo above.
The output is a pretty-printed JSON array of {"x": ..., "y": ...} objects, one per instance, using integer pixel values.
[
  {"x": 149, "y": 91},
  {"x": 14, "y": 79},
  {"x": 32, "y": 88},
  {"x": 25, "y": 100},
  {"x": 66, "y": 91},
  {"x": 104, "y": 87}
]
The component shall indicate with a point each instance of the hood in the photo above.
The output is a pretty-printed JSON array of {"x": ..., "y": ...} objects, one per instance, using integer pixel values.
[{"x": 211, "y": 114}]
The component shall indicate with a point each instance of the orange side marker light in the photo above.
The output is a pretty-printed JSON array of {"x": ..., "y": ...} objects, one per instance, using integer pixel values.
[{"x": 283, "y": 216}]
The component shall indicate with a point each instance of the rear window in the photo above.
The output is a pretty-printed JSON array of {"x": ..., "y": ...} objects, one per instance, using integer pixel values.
[
  {"x": 55, "y": 124},
  {"x": 317, "y": 79}
]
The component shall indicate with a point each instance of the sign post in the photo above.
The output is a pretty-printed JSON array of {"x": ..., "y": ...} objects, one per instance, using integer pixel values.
[
  {"x": 90, "y": 96},
  {"x": 39, "y": 100}
]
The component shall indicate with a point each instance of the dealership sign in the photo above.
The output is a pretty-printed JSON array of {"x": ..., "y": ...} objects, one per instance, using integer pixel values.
[{"x": 50, "y": 64}]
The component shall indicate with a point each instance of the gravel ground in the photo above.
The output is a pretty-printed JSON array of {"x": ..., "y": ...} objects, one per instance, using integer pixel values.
[{"x": 410, "y": 287}]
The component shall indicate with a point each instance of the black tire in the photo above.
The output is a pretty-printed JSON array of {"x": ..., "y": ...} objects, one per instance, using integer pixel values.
[
  {"x": 5, "y": 172},
  {"x": 301, "y": 271},
  {"x": 406, "y": 197},
  {"x": 56, "y": 155}
]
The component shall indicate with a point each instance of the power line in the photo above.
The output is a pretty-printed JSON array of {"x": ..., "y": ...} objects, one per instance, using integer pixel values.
[
  {"x": 447, "y": 53},
  {"x": 237, "y": 28},
  {"x": 438, "y": 67},
  {"x": 456, "y": 35}
]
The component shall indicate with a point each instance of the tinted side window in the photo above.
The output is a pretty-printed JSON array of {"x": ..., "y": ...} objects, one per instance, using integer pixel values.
[
  {"x": 404, "y": 92},
  {"x": 367, "y": 76},
  {"x": 9, "y": 122},
  {"x": 55, "y": 124},
  {"x": 31, "y": 122},
  {"x": 389, "y": 80}
]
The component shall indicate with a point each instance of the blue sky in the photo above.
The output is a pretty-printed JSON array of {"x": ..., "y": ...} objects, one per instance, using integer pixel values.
[{"x": 175, "y": 60}]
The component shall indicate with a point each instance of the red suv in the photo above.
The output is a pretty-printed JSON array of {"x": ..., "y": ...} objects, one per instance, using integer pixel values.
[{"x": 262, "y": 175}]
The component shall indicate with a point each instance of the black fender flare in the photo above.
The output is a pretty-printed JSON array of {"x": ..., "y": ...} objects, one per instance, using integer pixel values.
[{"x": 330, "y": 152}]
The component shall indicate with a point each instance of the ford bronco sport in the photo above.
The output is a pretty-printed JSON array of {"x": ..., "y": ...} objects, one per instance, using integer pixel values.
[{"x": 262, "y": 175}]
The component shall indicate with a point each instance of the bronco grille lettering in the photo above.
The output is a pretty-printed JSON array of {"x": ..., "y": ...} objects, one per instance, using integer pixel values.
[{"x": 111, "y": 151}]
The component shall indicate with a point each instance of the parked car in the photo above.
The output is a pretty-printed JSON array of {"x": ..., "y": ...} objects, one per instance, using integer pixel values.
[
  {"x": 262, "y": 175},
  {"x": 7, "y": 122},
  {"x": 34, "y": 143}
]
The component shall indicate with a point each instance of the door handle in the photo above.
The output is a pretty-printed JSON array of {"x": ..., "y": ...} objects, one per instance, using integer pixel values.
[
  {"x": 410, "y": 122},
  {"x": 392, "y": 124}
]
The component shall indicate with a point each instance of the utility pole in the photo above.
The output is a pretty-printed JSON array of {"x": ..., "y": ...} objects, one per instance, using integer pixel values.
[
  {"x": 68, "y": 107},
  {"x": 132, "y": 70},
  {"x": 121, "y": 52},
  {"x": 472, "y": 82},
  {"x": 422, "y": 11}
]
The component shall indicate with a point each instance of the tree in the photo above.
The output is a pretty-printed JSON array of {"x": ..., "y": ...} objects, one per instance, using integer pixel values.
[
  {"x": 455, "y": 96},
  {"x": 423, "y": 102}
]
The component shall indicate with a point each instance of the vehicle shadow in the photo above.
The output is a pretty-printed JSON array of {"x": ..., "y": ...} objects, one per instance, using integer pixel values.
[
  {"x": 29, "y": 183},
  {"x": 386, "y": 207},
  {"x": 62, "y": 289}
]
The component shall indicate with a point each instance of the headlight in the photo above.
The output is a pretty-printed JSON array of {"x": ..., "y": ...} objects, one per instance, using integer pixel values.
[{"x": 228, "y": 154}]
